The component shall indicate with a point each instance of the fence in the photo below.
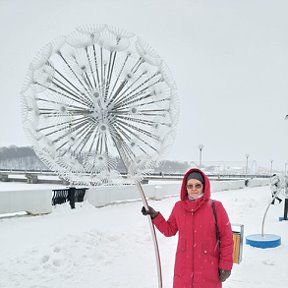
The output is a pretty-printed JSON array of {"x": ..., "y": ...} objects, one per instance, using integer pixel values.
[{"x": 70, "y": 194}]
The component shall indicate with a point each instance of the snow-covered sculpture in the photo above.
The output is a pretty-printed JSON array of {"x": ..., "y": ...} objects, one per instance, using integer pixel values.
[{"x": 97, "y": 100}]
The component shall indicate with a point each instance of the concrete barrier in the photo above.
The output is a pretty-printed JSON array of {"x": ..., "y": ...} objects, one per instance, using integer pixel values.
[
  {"x": 256, "y": 182},
  {"x": 104, "y": 195},
  {"x": 101, "y": 196},
  {"x": 217, "y": 186},
  {"x": 31, "y": 201},
  {"x": 38, "y": 200}
]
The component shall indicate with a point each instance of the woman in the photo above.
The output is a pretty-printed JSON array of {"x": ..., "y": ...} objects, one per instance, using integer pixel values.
[{"x": 199, "y": 261}]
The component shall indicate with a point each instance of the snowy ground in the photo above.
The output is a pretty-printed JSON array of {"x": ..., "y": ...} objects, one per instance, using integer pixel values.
[{"x": 111, "y": 246}]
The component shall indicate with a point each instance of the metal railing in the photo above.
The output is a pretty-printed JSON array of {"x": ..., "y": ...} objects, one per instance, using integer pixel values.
[{"x": 70, "y": 194}]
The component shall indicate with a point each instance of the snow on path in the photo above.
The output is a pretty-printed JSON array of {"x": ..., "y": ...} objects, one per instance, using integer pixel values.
[{"x": 112, "y": 247}]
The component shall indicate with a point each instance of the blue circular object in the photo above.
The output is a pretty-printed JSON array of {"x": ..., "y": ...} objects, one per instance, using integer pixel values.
[{"x": 265, "y": 241}]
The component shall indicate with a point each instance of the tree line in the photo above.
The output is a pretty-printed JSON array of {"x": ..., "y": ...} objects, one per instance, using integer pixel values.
[{"x": 24, "y": 158}]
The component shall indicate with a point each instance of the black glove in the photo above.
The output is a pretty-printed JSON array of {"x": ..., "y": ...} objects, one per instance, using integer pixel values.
[
  {"x": 224, "y": 274},
  {"x": 150, "y": 212}
]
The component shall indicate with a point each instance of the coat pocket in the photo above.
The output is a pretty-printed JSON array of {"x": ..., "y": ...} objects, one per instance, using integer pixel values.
[
  {"x": 211, "y": 261},
  {"x": 210, "y": 244}
]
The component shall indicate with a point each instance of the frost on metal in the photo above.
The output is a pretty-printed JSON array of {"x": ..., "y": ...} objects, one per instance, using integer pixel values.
[{"x": 97, "y": 100}]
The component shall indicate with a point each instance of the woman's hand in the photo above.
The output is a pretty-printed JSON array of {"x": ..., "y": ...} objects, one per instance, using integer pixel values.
[
  {"x": 150, "y": 212},
  {"x": 224, "y": 274}
]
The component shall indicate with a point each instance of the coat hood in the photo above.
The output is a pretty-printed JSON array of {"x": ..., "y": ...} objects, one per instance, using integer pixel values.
[{"x": 206, "y": 191}]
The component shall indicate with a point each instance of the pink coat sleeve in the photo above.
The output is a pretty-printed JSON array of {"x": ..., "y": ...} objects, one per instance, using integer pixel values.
[
  {"x": 169, "y": 227},
  {"x": 226, "y": 238}
]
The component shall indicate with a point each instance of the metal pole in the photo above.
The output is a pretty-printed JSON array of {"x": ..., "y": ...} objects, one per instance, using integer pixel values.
[
  {"x": 247, "y": 157},
  {"x": 285, "y": 209},
  {"x": 271, "y": 161},
  {"x": 201, "y": 146},
  {"x": 286, "y": 195},
  {"x": 154, "y": 237},
  {"x": 264, "y": 217},
  {"x": 145, "y": 203}
]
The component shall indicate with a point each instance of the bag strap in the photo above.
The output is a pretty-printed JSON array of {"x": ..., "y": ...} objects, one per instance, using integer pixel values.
[{"x": 216, "y": 225}]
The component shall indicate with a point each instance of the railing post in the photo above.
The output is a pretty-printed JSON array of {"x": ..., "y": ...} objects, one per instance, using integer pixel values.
[
  {"x": 31, "y": 179},
  {"x": 285, "y": 209},
  {"x": 71, "y": 197}
]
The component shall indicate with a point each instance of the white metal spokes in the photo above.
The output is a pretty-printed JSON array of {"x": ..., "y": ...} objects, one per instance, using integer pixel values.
[{"x": 94, "y": 88}]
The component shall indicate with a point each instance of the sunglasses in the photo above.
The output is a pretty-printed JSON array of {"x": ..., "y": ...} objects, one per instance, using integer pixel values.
[{"x": 196, "y": 186}]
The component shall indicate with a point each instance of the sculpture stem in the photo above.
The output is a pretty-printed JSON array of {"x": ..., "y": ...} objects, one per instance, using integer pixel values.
[{"x": 153, "y": 232}]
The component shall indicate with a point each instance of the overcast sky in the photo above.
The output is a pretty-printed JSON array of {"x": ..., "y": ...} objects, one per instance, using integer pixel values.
[{"x": 229, "y": 59}]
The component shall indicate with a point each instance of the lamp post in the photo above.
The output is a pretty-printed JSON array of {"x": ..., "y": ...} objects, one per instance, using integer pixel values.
[
  {"x": 247, "y": 157},
  {"x": 285, "y": 171},
  {"x": 271, "y": 166},
  {"x": 254, "y": 167},
  {"x": 201, "y": 146}
]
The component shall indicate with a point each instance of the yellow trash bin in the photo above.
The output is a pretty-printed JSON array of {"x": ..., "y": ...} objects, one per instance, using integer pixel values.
[{"x": 238, "y": 235}]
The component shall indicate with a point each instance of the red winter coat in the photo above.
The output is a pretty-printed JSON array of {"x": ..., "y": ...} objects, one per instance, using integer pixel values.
[{"x": 197, "y": 258}]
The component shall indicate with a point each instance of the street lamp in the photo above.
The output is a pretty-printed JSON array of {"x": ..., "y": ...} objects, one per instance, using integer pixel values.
[
  {"x": 285, "y": 168},
  {"x": 201, "y": 146},
  {"x": 271, "y": 165},
  {"x": 254, "y": 167},
  {"x": 247, "y": 157}
]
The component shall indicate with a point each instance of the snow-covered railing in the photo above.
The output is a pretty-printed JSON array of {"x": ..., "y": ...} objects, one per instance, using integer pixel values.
[{"x": 70, "y": 194}]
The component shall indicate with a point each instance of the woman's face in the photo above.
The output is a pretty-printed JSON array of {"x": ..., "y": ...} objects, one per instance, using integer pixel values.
[{"x": 194, "y": 187}]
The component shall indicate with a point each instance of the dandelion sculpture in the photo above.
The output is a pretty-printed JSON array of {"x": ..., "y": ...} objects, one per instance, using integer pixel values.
[
  {"x": 265, "y": 240},
  {"x": 97, "y": 99}
]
